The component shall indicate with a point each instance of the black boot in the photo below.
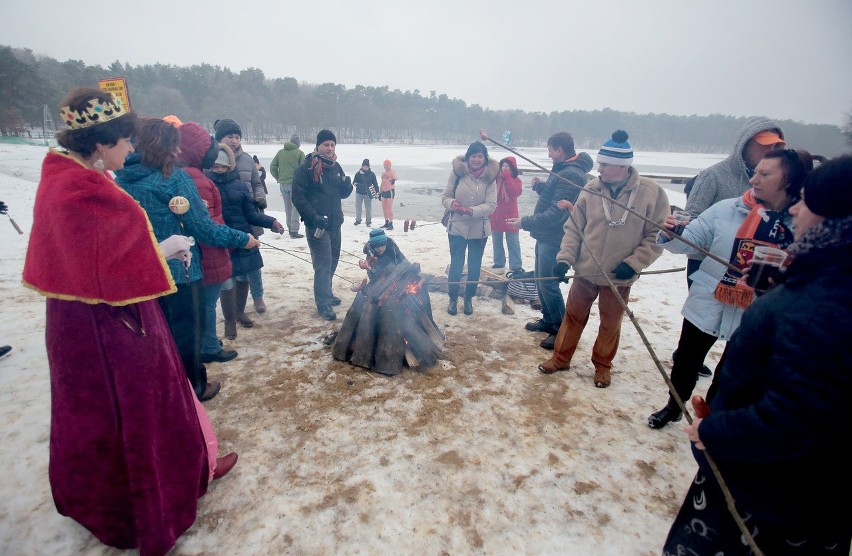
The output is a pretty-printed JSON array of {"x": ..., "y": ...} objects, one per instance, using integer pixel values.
[
  {"x": 669, "y": 414},
  {"x": 229, "y": 311},
  {"x": 242, "y": 291},
  {"x": 453, "y": 307},
  {"x": 468, "y": 306},
  {"x": 389, "y": 226}
]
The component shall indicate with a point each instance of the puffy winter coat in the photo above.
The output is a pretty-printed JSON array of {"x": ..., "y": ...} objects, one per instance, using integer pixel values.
[
  {"x": 240, "y": 212},
  {"x": 777, "y": 424},
  {"x": 153, "y": 191},
  {"x": 508, "y": 190},
  {"x": 478, "y": 194},
  {"x": 633, "y": 241},
  {"x": 715, "y": 230},
  {"x": 194, "y": 144},
  {"x": 547, "y": 220},
  {"x": 320, "y": 198}
]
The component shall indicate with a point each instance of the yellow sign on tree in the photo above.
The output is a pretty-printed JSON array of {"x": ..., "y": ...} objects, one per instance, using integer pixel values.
[{"x": 117, "y": 86}]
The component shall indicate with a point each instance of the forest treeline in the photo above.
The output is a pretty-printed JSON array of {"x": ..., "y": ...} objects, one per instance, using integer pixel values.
[{"x": 270, "y": 110}]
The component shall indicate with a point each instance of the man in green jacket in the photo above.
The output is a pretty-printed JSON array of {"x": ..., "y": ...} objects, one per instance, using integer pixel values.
[{"x": 282, "y": 167}]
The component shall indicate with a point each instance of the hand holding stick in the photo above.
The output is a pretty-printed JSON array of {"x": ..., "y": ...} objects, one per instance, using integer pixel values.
[{"x": 4, "y": 209}]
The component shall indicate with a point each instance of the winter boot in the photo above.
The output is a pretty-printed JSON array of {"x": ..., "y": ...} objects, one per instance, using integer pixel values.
[
  {"x": 389, "y": 226},
  {"x": 229, "y": 311},
  {"x": 242, "y": 289},
  {"x": 453, "y": 307},
  {"x": 468, "y": 305},
  {"x": 669, "y": 414},
  {"x": 259, "y": 305}
]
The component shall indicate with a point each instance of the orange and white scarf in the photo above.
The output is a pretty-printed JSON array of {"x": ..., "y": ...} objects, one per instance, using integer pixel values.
[{"x": 760, "y": 227}]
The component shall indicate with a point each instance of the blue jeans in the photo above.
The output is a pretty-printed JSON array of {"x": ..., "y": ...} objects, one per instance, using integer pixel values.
[
  {"x": 475, "y": 248},
  {"x": 366, "y": 200},
  {"x": 325, "y": 252},
  {"x": 291, "y": 214},
  {"x": 514, "y": 244},
  {"x": 552, "y": 303},
  {"x": 209, "y": 340},
  {"x": 255, "y": 280}
]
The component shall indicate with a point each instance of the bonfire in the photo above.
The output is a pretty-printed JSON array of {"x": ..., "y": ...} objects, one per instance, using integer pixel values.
[{"x": 389, "y": 325}]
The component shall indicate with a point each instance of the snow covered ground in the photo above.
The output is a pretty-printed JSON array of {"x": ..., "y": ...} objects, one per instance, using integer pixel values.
[{"x": 480, "y": 454}]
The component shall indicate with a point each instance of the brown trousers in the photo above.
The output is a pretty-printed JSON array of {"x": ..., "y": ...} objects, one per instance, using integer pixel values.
[{"x": 577, "y": 308}]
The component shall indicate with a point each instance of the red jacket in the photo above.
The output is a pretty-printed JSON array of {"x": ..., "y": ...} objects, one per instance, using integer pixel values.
[
  {"x": 508, "y": 191},
  {"x": 194, "y": 143}
]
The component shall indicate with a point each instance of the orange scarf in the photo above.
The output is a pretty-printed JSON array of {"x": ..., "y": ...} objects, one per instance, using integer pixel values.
[{"x": 760, "y": 227}]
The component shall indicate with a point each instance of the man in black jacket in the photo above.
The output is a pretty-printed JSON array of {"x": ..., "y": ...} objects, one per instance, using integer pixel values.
[
  {"x": 318, "y": 187},
  {"x": 366, "y": 189},
  {"x": 567, "y": 178}
]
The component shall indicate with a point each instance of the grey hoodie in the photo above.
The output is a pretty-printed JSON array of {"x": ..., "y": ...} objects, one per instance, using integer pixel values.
[{"x": 729, "y": 178}]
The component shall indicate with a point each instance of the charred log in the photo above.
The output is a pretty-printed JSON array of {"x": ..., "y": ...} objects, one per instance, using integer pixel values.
[{"x": 390, "y": 325}]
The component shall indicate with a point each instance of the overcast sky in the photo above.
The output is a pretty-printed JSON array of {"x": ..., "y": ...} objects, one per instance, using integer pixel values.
[{"x": 784, "y": 59}]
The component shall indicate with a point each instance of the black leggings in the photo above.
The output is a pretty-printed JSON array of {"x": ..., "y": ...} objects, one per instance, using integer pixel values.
[{"x": 692, "y": 347}]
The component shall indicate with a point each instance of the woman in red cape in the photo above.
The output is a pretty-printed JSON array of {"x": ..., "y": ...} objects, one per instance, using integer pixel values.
[{"x": 130, "y": 452}]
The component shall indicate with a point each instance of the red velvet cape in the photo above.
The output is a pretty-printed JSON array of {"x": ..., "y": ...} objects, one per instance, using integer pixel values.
[{"x": 78, "y": 210}]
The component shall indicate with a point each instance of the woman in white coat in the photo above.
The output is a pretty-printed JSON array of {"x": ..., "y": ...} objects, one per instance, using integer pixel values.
[
  {"x": 729, "y": 229},
  {"x": 470, "y": 198}
]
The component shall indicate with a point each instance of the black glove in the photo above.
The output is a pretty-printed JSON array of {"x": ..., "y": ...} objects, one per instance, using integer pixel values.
[
  {"x": 260, "y": 203},
  {"x": 624, "y": 271},
  {"x": 321, "y": 221},
  {"x": 3, "y": 208},
  {"x": 277, "y": 228},
  {"x": 560, "y": 270}
]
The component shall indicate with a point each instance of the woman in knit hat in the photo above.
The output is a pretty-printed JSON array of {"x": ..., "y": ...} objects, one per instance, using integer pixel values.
[
  {"x": 469, "y": 199},
  {"x": 778, "y": 421},
  {"x": 198, "y": 152}
]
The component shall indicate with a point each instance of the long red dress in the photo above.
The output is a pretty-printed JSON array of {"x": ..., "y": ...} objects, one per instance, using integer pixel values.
[{"x": 127, "y": 456}]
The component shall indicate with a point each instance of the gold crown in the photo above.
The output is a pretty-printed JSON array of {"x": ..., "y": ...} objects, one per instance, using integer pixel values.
[{"x": 97, "y": 112}]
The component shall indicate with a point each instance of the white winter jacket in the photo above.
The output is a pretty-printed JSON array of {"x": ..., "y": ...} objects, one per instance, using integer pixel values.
[{"x": 715, "y": 230}]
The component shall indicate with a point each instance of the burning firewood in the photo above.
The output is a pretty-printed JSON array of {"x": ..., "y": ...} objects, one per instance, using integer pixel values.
[{"x": 390, "y": 323}]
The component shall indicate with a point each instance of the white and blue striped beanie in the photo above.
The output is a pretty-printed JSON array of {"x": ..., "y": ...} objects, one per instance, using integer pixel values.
[{"x": 616, "y": 151}]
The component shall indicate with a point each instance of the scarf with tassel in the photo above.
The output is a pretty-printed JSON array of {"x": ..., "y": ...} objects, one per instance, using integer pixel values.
[
  {"x": 317, "y": 164},
  {"x": 760, "y": 227}
]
